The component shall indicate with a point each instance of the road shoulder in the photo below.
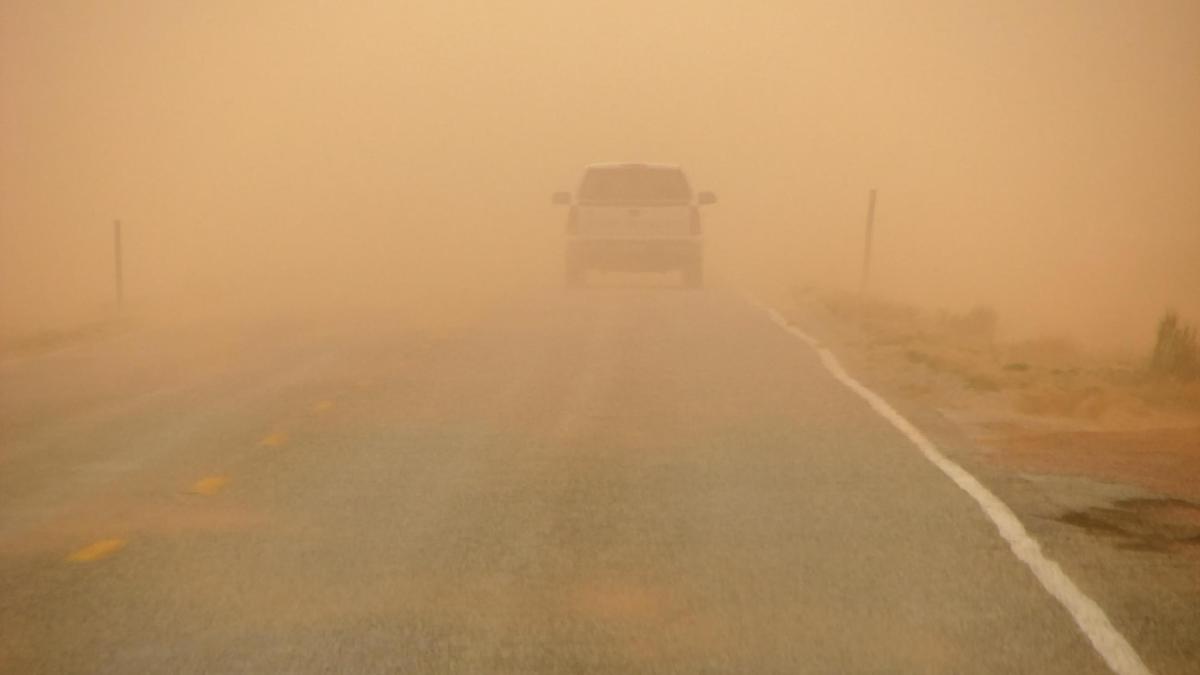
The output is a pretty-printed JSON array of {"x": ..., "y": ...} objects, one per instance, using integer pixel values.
[{"x": 1128, "y": 532}]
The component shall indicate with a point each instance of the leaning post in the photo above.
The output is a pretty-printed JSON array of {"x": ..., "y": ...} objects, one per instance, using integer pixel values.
[
  {"x": 118, "y": 264},
  {"x": 866, "y": 264}
]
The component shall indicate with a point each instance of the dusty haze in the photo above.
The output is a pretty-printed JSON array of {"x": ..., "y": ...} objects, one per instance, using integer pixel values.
[{"x": 1041, "y": 158}]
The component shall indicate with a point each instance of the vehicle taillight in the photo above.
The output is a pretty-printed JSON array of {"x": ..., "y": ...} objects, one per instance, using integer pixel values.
[
  {"x": 695, "y": 218},
  {"x": 573, "y": 220}
]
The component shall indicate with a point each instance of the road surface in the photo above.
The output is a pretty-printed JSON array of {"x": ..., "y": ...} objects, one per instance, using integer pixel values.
[{"x": 612, "y": 481}]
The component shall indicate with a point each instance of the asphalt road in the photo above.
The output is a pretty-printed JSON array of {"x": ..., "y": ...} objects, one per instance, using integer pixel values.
[{"x": 610, "y": 481}]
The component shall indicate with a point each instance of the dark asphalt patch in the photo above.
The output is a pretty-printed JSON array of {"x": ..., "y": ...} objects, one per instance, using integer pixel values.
[{"x": 1158, "y": 525}]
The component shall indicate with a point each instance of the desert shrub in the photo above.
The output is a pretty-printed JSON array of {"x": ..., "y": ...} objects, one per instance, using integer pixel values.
[
  {"x": 916, "y": 356},
  {"x": 1175, "y": 352},
  {"x": 1084, "y": 402},
  {"x": 977, "y": 325},
  {"x": 1172, "y": 393},
  {"x": 981, "y": 382},
  {"x": 1047, "y": 352}
]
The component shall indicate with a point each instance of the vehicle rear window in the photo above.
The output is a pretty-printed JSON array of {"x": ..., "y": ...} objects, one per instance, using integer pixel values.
[{"x": 634, "y": 184}]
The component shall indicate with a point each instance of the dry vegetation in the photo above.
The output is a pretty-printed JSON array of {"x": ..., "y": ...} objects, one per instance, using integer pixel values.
[
  {"x": 1175, "y": 353},
  {"x": 962, "y": 356},
  {"x": 39, "y": 342},
  {"x": 1043, "y": 406}
]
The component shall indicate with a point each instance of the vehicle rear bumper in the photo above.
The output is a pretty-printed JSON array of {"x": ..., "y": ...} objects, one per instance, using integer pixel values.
[{"x": 634, "y": 254}]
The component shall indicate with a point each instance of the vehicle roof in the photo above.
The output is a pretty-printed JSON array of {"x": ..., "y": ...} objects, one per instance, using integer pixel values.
[{"x": 620, "y": 165}]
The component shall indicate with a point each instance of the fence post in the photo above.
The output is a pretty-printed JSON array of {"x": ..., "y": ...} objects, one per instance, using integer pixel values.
[
  {"x": 866, "y": 265},
  {"x": 118, "y": 264}
]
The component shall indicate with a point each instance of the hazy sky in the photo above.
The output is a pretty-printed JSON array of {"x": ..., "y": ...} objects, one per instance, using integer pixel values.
[{"x": 1041, "y": 157}]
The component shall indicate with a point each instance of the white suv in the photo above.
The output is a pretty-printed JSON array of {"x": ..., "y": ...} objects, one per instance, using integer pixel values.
[{"x": 634, "y": 217}]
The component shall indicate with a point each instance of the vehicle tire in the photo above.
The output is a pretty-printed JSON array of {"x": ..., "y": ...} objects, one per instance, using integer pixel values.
[{"x": 693, "y": 274}]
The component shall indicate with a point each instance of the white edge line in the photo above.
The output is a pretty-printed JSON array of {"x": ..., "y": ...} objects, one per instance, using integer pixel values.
[{"x": 1108, "y": 642}]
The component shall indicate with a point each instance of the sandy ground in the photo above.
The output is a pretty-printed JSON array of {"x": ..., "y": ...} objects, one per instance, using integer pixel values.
[
  {"x": 1039, "y": 409},
  {"x": 1162, "y": 460}
]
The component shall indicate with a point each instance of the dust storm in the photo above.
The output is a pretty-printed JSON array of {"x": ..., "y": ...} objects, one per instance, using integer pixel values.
[
  {"x": 531, "y": 336},
  {"x": 1041, "y": 159}
]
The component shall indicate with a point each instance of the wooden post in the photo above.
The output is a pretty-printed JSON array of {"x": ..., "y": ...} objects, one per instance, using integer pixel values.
[
  {"x": 118, "y": 263},
  {"x": 866, "y": 266}
]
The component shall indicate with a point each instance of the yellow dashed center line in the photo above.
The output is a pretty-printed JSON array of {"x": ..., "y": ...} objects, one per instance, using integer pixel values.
[
  {"x": 98, "y": 550},
  {"x": 210, "y": 485},
  {"x": 207, "y": 486},
  {"x": 274, "y": 439}
]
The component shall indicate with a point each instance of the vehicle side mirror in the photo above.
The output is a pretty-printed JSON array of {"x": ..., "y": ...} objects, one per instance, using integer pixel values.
[
  {"x": 706, "y": 197},
  {"x": 561, "y": 199}
]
